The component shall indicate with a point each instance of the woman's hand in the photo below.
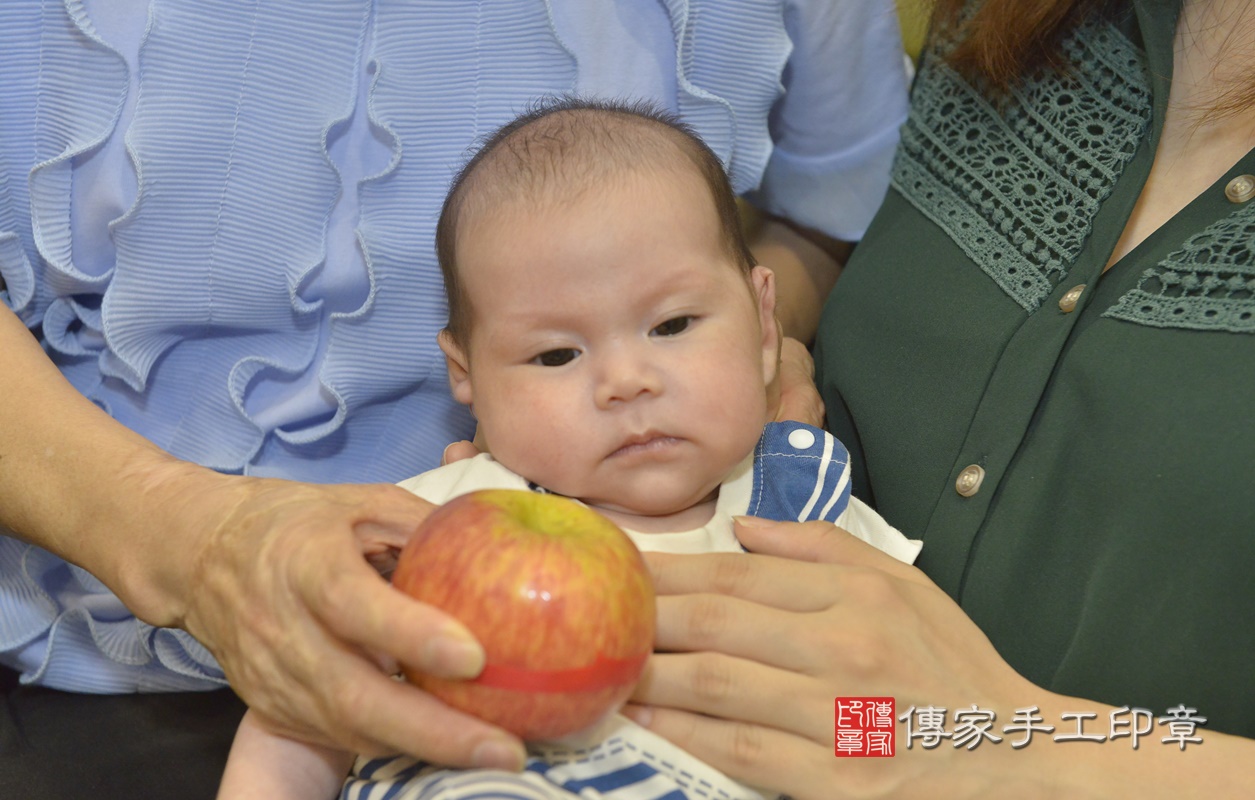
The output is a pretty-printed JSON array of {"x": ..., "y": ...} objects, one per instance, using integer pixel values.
[
  {"x": 763, "y": 644},
  {"x": 284, "y": 594},
  {"x": 754, "y": 649}
]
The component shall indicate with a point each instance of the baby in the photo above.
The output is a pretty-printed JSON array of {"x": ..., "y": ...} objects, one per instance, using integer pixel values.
[{"x": 611, "y": 333}]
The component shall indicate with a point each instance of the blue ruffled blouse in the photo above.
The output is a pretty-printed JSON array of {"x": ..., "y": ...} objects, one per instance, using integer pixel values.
[{"x": 218, "y": 215}]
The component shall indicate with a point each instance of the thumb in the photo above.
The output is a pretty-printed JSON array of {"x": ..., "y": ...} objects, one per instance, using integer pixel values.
[
  {"x": 818, "y": 542},
  {"x": 798, "y": 398},
  {"x": 458, "y": 451}
]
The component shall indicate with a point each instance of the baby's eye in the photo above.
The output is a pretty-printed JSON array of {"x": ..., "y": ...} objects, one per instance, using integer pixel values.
[
  {"x": 555, "y": 358},
  {"x": 672, "y": 326}
]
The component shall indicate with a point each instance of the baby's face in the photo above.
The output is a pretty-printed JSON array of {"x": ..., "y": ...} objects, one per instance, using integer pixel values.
[{"x": 617, "y": 354}]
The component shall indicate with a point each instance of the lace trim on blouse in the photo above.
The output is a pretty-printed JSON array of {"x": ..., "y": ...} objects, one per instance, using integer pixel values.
[
  {"x": 1207, "y": 285},
  {"x": 1017, "y": 187}
]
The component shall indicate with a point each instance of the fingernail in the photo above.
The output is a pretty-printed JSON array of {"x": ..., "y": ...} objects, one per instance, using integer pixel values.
[
  {"x": 641, "y": 715},
  {"x": 454, "y": 654},
  {"x": 444, "y": 454},
  {"x": 499, "y": 754},
  {"x": 746, "y": 521}
]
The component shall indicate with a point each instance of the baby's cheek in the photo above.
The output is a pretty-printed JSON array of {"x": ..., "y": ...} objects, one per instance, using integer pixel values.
[
  {"x": 740, "y": 400},
  {"x": 745, "y": 414},
  {"x": 541, "y": 442}
]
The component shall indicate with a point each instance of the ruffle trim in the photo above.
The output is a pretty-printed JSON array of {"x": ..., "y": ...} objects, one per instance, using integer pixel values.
[
  {"x": 182, "y": 275},
  {"x": 83, "y": 90},
  {"x": 17, "y": 280},
  {"x": 727, "y": 91},
  {"x": 63, "y": 629}
]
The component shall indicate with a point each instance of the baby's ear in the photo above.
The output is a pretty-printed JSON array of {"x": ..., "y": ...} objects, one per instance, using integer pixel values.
[
  {"x": 763, "y": 285},
  {"x": 459, "y": 367}
]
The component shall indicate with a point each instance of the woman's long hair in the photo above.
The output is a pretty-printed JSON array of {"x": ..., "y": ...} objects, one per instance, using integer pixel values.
[{"x": 1002, "y": 41}]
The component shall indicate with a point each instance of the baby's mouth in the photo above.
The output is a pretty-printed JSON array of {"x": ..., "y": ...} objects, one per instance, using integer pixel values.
[{"x": 648, "y": 442}]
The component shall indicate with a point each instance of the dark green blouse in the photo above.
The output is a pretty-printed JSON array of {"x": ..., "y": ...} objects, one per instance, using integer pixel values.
[{"x": 1109, "y": 551}]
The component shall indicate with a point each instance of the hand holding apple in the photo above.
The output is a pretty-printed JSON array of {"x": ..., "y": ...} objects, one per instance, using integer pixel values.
[{"x": 558, "y": 596}]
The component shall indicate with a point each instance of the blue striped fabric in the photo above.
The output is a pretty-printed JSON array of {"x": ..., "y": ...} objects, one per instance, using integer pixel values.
[
  {"x": 219, "y": 215},
  {"x": 801, "y": 473},
  {"x": 629, "y": 764}
]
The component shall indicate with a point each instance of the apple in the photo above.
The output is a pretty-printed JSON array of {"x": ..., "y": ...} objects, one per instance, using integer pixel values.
[{"x": 557, "y": 595}]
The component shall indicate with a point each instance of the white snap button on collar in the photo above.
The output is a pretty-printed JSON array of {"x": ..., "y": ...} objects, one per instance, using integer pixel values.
[{"x": 802, "y": 439}]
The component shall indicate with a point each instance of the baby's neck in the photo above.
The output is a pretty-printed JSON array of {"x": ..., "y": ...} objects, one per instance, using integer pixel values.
[{"x": 685, "y": 520}]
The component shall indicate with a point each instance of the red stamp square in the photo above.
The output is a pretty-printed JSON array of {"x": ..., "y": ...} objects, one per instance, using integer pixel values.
[{"x": 865, "y": 727}]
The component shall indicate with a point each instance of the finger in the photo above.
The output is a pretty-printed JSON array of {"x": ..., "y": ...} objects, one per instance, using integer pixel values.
[
  {"x": 768, "y": 580},
  {"x": 458, "y": 451},
  {"x": 386, "y": 663},
  {"x": 817, "y": 542},
  {"x": 359, "y": 607},
  {"x": 342, "y": 698},
  {"x": 780, "y": 762},
  {"x": 799, "y": 398},
  {"x": 742, "y": 628},
  {"x": 795, "y": 408},
  {"x": 384, "y": 716},
  {"x": 383, "y": 515},
  {"x": 735, "y": 688}
]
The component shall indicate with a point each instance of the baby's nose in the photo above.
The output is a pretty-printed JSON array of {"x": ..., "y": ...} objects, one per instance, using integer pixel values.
[{"x": 627, "y": 375}]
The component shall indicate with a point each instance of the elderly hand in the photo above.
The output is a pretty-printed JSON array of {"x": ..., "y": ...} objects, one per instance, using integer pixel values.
[
  {"x": 284, "y": 595},
  {"x": 273, "y": 577}
]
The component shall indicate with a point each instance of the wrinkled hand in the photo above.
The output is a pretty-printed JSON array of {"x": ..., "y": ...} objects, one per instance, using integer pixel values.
[
  {"x": 793, "y": 392},
  {"x": 287, "y": 595},
  {"x": 755, "y": 648}
]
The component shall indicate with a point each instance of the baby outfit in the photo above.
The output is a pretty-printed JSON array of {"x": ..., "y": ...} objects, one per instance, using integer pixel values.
[{"x": 796, "y": 472}]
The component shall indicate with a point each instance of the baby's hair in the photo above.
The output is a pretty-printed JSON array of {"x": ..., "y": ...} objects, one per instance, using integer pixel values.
[{"x": 563, "y": 147}]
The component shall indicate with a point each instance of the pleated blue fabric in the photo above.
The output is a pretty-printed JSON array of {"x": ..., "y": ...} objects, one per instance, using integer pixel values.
[{"x": 219, "y": 215}]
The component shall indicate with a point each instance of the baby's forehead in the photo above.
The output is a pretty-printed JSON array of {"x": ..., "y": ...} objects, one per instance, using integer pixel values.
[
  {"x": 543, "y": 170},
  {"x": 556, "y": 199},
  {"x": 654, "y": 236}
]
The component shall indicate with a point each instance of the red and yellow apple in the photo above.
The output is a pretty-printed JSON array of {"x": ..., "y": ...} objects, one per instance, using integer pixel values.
[{"x": 558, "y": 596}]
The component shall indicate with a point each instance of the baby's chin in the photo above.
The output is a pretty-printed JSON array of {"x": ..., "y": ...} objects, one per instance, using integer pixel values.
[{"x": 658, "y": 514}]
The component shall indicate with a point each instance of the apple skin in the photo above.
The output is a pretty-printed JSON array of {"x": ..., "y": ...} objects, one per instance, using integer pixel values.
[{"x": 557, "y": 595}]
